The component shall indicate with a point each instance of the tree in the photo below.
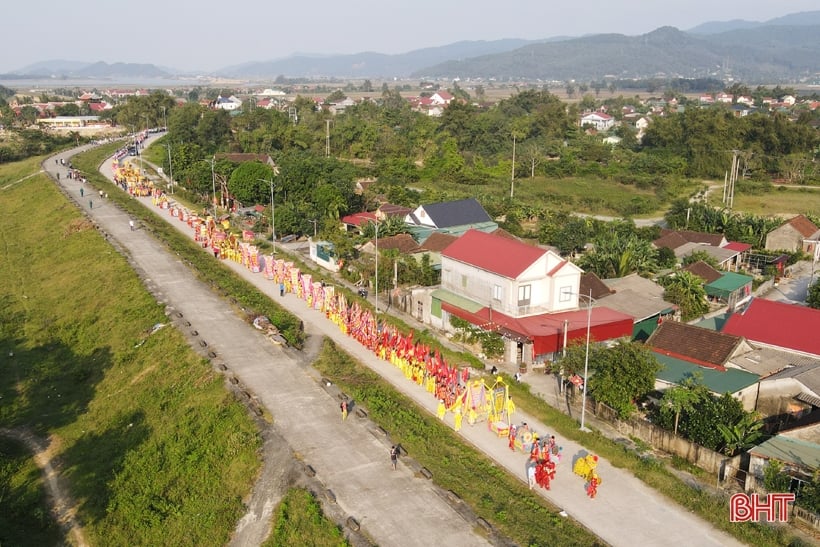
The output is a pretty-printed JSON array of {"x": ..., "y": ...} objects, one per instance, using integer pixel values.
[
  {"x": 698, "y": 256},
  {"x": 774, "y": 478},
  {"x": 533, "y": 155},
  {"x": 245, "y": 185},
  {"x": 686, "y": 290},
  {"x": 813, "y": 297},
  {"x": 684, "y": 396},
  {"x": 620, "y": 375},
  {"x": 743, "y": 434}
]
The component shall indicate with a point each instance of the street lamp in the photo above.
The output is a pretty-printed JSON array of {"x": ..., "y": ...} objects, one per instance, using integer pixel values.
[
  {"x": 315, "y": 223},
  {"x": 586, "y": 362},
  {"x": 590, "y": 301},
  {"x": 170, "y": 166},
  {"x": 272, "y": 214},
  {"x": 213, "y": 181},
  {"x": 377, "y": 268}
]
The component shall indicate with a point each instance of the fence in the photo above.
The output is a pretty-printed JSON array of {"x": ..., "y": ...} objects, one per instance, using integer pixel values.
[
  {"x": 811, "y": 519},
  {"x": 664, "y": 440}
]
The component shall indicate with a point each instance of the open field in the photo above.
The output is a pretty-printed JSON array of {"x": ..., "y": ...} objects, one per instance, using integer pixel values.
[
  {"x": 785, "y": 201},
  {"x": 155, "y": 449},
  {"x": 590, "y": 195}
]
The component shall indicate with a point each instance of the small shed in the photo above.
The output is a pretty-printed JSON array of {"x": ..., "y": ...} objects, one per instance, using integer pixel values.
[{"x": 731, "y": 288}]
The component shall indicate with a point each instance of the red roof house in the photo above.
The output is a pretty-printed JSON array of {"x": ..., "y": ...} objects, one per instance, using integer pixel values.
[
  {"x": 783, "y": 326},
  {"x": 528, "y": 294}
]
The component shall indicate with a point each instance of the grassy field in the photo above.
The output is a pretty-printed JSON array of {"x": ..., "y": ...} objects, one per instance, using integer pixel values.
[
  {"x": 576, "y": 194},
  {"x": 156, "y": 450},
  {"x": 781, "y": 200},
  {"x": 24, "y": 514}
]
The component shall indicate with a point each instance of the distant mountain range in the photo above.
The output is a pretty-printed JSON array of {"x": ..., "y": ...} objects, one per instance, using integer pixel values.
[{"x": 782, "y": 49}]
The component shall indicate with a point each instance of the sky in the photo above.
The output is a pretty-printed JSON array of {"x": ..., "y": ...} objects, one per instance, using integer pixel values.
[{"x": 209, "y": 35}]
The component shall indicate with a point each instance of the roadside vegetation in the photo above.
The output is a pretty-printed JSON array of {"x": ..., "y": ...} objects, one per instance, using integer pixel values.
[
  {"x": 155, "y": 449},
  {"x": 298, "y": 520},
  {"x": 494, "y": 494}
]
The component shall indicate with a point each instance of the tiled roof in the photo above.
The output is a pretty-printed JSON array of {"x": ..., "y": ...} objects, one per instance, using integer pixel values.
[
  {"x": 590, "y": 281},
  {"x": 437, "y": 242},
  {"x": 404, "y": 243},
  {"x": 390, "y": 210},
  {"x": 715, "y": 240},
  {"x": 704, "y": 271},
  {"x": 695, "y": 344},
  {"x": 803, "y": 225},
  {"x": 777, "y": 324},
  {"x": 671, "y": 240},
  {"x": 495, "y": 254}
]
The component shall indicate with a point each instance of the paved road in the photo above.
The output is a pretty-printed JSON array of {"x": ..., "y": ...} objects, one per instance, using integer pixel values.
[
  {"x": 626, "y": 512},
  {"x": 347, "y": 457}
]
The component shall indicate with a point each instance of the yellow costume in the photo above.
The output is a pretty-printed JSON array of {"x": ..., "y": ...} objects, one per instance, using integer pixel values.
[{"x": 441, "y": 410}]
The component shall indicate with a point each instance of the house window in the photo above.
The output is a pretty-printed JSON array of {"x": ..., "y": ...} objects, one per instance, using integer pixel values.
[
  {"x": 565, "y": 295},
  {"x": 497, "y": 292},
  {"x": 524, "y": 293}
]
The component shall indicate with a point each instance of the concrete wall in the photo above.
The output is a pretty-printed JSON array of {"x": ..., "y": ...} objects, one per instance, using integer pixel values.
[{"x": 708, "y": 460}]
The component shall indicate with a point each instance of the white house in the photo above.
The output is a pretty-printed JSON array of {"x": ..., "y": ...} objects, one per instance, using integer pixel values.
[
  {"x": 228, "y": 103},
  {"x": 526, "y": 294},
  {"x": 599, "y": 120},
  {"x": 441, "y": 98}
]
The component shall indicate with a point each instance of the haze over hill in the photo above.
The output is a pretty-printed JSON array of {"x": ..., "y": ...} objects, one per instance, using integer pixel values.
[{"x": 783, "y": 49}]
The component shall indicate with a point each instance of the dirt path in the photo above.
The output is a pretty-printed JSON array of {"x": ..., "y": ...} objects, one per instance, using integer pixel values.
[{"x": 63, "y": 507}]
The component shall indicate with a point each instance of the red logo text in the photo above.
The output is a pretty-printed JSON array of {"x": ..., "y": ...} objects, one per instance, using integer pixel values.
[{"x": 750, "y": 507}]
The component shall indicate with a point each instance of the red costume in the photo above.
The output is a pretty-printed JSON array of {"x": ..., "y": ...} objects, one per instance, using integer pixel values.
[{"x": 592, "y": 486}]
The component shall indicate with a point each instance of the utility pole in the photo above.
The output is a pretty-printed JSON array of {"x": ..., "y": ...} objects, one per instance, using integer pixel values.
[
  {"x": 327, "y": 138},
  {"x": 512, "y": 174}
]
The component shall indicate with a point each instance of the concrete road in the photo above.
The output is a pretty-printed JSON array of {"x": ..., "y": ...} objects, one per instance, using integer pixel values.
[
  {"x": 393, "y": 507},
  {"x": 626, "y": 512}
]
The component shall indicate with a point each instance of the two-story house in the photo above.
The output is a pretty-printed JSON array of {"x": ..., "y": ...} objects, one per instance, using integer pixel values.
[{"x": 527, "y": 294}]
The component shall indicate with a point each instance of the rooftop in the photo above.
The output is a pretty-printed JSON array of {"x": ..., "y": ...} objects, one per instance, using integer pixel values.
[{"x": 675, "y": 371}]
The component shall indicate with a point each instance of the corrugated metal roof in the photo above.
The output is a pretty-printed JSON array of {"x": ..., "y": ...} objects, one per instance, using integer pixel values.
[
  {"x": 726, "y": 284},
  {"x": 675, "y": 371},
  {"x": 789, "y": 450}
]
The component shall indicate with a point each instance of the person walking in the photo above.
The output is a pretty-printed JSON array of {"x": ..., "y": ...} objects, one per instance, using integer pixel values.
[
  {"x": 530, "y": 475},
  {"x": 394, "y": 456},
  {"x": 343, "y": 407},
  {"x": 131, "y": 225},
  {"x": 441, "y": 410},
  {"x": 90, "y": 204},
  {"x": 81, "y": 191},
  {"x": 457, "y": 419},
  {"x": 281, "y": 289}
]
